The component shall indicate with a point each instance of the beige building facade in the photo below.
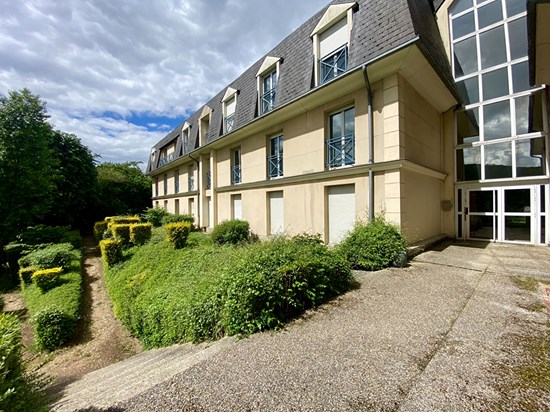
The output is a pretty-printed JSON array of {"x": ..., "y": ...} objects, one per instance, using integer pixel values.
[{"x": 323, "y": 132}]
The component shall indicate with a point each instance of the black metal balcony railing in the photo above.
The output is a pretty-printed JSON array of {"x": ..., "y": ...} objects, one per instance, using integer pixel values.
[
  {"x": 275, "y": 165},
  {"x": 236, "y": 174},
  {"x": 209, "y": 180},
  {"x": 334, "y": 64},
  {"x": 341, "y": 151},
  {"x": 268, "y": 101},
  {"x": 191, "y": 184},
  {"x": 229, "y": 123},
  {"x": 177, "y": 185},
  {"x": 167, "y": 159}
]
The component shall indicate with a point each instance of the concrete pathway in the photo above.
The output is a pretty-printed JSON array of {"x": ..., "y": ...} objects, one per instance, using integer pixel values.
[{"x": 442, "y": 334}]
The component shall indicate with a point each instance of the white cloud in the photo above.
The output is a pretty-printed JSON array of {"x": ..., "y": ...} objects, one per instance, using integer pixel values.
[{"x": 160, "y": 58}]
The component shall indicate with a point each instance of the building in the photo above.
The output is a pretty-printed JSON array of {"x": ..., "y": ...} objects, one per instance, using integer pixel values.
[{"x": 431, "y": 112}]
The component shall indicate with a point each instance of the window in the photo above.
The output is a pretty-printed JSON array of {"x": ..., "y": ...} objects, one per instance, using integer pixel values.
[
  {"x": 341, "y": 142},
  {"x": 236, "y": 166},
  {"x": 204, "y": 124},
  {"x": 275, "y": 158},
  {"x": 499, "y": 135},
  {"x": 191, "y": 180},
  {"x": 177, "y": 181},
  {"x": 331, "y": 41},
  {"x": 269, "y": 83},
  {"x": 229, "y": 106},
  {"x": 156, "y": 192},
  {"x": 185, "y": 140},
  {"x": 165, "y": 184}
]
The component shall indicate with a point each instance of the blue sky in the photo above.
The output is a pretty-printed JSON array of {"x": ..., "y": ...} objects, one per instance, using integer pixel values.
[{"x": 121, "y": 74}]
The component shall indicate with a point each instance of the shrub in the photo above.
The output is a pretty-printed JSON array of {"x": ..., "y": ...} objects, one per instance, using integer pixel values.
[
  {"x": 18, "y": 391},
  {"x": 140, "y": 233},
  {"x": 25, "y": 274},
  {"x": 55, "y": 313},
  {"x": 178, "y": 218},
  {"x": 99, "y": 229},
  {"x": 41, "y": 235},
  {"x": 47, "y": 279},
  {"x": 154, "y": 215},
  {"x": 111, "y": 251},
  {"x": 123, "y": 220},
  {"x": 231, "y": 232},
  {"x": 373, "y": 246},
  {"x": 52, "y": 256},
  {"x": 178, "y": 233},
  {"x": 121, "y": 232}
]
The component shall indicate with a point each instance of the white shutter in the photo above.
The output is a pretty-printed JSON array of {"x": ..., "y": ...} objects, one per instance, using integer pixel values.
[
  {"x": 237, "y": 207},
  {"x": 230, "y": 106},
  {"x": 334, "y": 38},
  {"x": 341, "y": 212},
  {"x": 276, "y": 213}
]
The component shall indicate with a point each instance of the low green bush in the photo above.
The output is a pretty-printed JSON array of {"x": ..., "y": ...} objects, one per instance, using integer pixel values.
[
  {"x": 59, "y": 255},
  {"x": 178, "y": 233},
  {"x": 19, "y": 391},
  {"x": 373, "y": 246},
  {"x": 41, "y": 234},
  {"x": 99, "y": 229},
  {"x": 178, "y": 218},
  {"x": 46, "y": 279},
  {"x": 154, "y": 215},
  {"x": 25, "y": 274},
  {"x": 140, "y": 233},
  {"x": 121, "y": 232},
  {"x": 231, "y": 232},
  {"x": 111, "y": 251},
  {"x": 55, "y": 313},
  {"x": 123, "y": 220}
]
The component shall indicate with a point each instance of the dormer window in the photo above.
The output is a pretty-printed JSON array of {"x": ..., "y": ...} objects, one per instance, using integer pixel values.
[
  {"x": 185, "y": 138},
  {"x": 331, "y": 42},
  {"x": 268, "y": 77},
  {"x": 229, "y": 106},
  {"x": 204, "y": 124}
]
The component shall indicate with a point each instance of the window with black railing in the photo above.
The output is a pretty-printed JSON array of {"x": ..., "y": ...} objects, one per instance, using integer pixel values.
[
  {"x": 164, "y": 160},
  {"x": 340, "y": 146},
  {"x": 268, "y": 92},
  {"x": 177, "y": 181},
  {"x": 333, "y": 65},
  {"x": 229, "y": 123},
  {"x": 275, "y": 159},
  {"x": 236, "y": 170},
  {"x": 209, "y": 180}
]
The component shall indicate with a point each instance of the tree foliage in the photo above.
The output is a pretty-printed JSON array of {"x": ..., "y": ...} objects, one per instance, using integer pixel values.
[
  {"x": 122, "y": 189},
  {"x": 27, "y": 167}
]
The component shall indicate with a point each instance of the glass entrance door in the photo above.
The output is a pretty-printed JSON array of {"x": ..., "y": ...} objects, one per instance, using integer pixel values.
[
  {"x": 518, "y": 214},
  {"x": 481, "y": 213}
]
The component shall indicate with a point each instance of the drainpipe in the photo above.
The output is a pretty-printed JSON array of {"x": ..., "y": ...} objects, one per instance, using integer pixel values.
[
  {"x": 199, "y": 180},
  {"x": 370, "y": 138}
]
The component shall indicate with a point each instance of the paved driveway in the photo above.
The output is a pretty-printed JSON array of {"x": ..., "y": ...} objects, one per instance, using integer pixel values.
[{"x": 454, "y": 331}]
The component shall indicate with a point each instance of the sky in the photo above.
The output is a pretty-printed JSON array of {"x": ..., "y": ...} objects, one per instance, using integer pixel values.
[{"x": 122, "y": 74}]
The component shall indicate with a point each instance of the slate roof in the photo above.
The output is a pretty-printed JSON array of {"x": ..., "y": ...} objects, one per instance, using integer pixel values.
[{"x": 379, "y": 26}]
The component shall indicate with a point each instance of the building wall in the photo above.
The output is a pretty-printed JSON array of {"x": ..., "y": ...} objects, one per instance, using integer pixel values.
[{"x": 543, "y": 45}]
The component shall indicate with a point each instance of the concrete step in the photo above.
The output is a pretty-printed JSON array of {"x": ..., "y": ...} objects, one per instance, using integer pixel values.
[{"x": 121, "y": 381}]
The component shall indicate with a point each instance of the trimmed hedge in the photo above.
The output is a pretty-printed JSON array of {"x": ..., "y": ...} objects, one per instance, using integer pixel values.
[
  {"x": 41, "y": 235},
  {"x": 140, "y": 233},
  {"x": 59, "y": 255},
  {"x": 374, "y": 245},
  {"x": 178, "y": 218},
  {"x": 19, "y": 392},
  {"x": 121, "y": 232},
  {"x": 25, "y": 274},
  {"x": 111, "y": 251},
  {"x": 154, "y": 215},
  {"x": 55, "y": 313},
  {"x": 178, "y": 233},
  {"x": 47, "y": 279},
  {"x": 122, "y": 220},
  {"x": 99, "y": 229},
  {"x": 231, "y": 232}
]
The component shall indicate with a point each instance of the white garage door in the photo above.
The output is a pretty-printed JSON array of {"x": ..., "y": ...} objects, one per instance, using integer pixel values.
[
  {"x": 237, "y": 207},
  {"x": 341, "y": 212},
  {"x": 276, "y": 213}
]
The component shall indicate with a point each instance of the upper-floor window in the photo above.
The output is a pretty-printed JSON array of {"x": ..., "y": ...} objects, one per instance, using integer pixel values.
[
  {"x": 275, "y": 158},
  {"x": 177, "y": 181},
  {"x": 229, "y": 120},
  {"x": 156, "y": 191},
  {"x": 204, "y": 124},
  {"x": 165, "y": 184},
  {"x": 191, "y": 179},
  {"x": 269, "y": 85},
  {"x": 499, "y": 131},
  {"x": 331, "y": 39},
  {"x": 236, "y": 176},
  {"x": 185, "y": 140},
  {"x": 341, "y": 142}
]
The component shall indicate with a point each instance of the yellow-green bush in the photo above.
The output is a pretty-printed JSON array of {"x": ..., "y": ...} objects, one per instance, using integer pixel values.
[
  {"x": 122, "y": 220},
  {"x": 25, "y": 274},
  {"x": 99, "y": 229},
  {"x": 140, "y": 233},
  {"x": 121, "y": 232},
  {"x": 47, "y": 279},
  {"x": 111, "y": 251},
  {"x": 178, "y": 233}
]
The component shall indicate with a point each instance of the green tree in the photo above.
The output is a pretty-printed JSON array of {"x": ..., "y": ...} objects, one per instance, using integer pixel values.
[
  {"x": 76, "y": 183},
  {"x": 122, "y": 189},
  {"x": 27, "y": 168}
]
